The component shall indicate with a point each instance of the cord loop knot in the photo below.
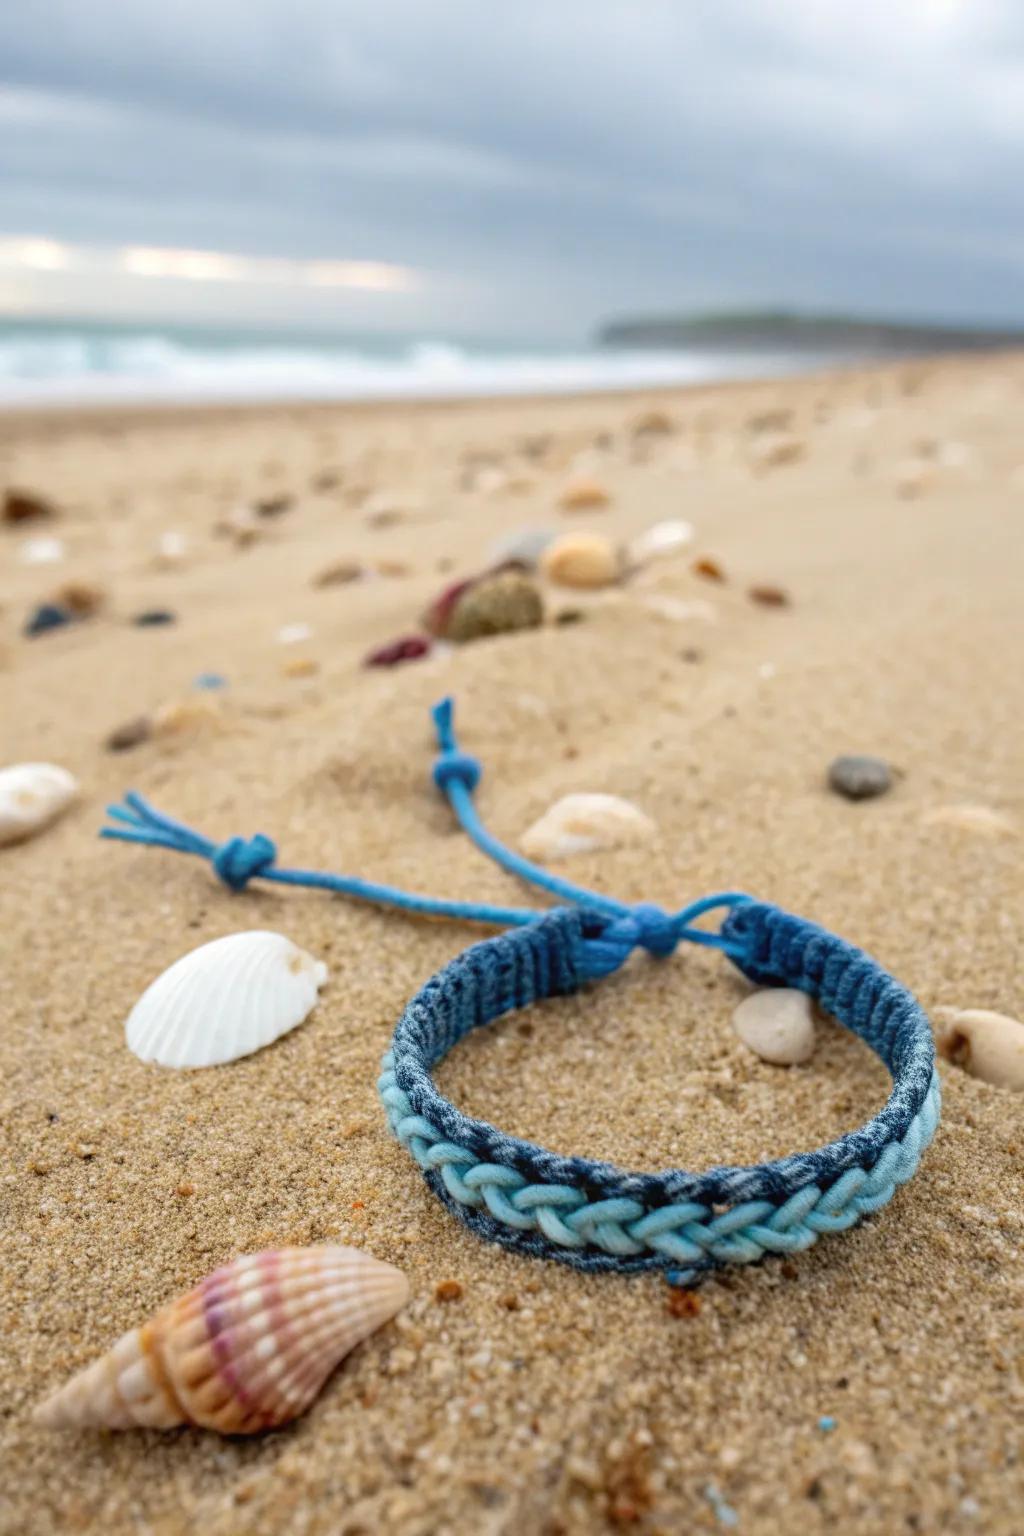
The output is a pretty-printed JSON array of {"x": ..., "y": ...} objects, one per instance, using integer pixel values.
[
  {"x": 241, "y": 858},
  {"x": 457, "y": 767},
  {"x": 643, "y": 926}
]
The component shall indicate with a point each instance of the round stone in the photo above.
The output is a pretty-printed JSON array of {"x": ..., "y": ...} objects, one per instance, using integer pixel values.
[
  {"x": 777, "y": 1024},
  {"x": 859, "y": 778}
]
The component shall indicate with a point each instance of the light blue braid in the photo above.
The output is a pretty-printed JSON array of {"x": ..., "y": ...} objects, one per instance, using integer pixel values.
[{"x": 687, "y": 1233}]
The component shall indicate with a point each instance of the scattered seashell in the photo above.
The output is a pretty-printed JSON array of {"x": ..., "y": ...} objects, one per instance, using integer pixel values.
[
  {"x": 679, "y": 610},
  {"x": 775, "y": 419},
  {"x": 777, "y": 1024},
  {"x": 406, "y": 648},
  {"x": 495, "y": 605},
  {"x": 132, "y": 734},
  {"x": 26, "y": 507},
  {"x": 241, "y": 525},
  {"x": 248, "y": 1349},
  {"x": 913, "y": 478},
  {"x": 661, "y": 539},
  {"x": 46, "y": 617},
  {"x": 583, "y": 495},
  {"x": 708, "y": 567},
  {"x": 224, "y": 1000},
  {"x": 180, "y": 717},
  {"x": 859, "y": 778},
  {"x": 81, "y": 599},
  {"x": 301, "y": 666},
  {"x": 171, "y": 549},
  {"x": 154, "y": 618},
  {"x": 31, "y": 796},
  {"x": 582, "y": 560},
  {"x": 585, "y": 823},
  {"x": 523, "y": 547},
  {"x": 42, "y": 551},
  {"x": 776, "y": 449},
  {"x": 981, "y": 819},
  {"x": 987, "y": 1045},
  {"x": 294, "y": 634},
  {"x": 652, "y": 423},
  {"x": 768, "y": 596},
  {"x": 272, "y": 506},
  {"x": 386, "y": 511},
  {"x": 339, "y": 574}
]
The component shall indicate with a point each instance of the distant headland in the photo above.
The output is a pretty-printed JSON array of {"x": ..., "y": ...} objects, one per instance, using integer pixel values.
[{"x": 786, "y": 331}]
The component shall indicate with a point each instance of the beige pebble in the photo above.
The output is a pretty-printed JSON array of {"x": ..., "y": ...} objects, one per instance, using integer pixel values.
[
  {"x": 776, "y": 1024},
  {"x": 582, "y": 560},
  {"x": 775, "y": 449},
  {"x": 585, "y": 823},
  {"x": 339, "y": 574},
  {"x": 981, "y": 819},
  {"x": 181, "y": 717},
  {"x": 171, "y": 549},
  {"x": 301, "y": 666},
  {"x": 985, "y": 1044},
  {"x": 583, "y": 494},
  {"x": 913, "y": 479}
]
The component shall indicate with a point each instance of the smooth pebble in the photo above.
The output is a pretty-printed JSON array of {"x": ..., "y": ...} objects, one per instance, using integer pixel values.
[
  {"x": 524, "y": 546},
  {"x": 495, "y": 605},
  {"x": 859, "y": 778},
  {"x": 585, "y": 823},
  {"x": 43, "y": 551},
  {"x": 777, "y": 1024}
]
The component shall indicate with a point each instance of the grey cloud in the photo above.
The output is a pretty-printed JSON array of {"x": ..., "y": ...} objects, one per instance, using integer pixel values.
[{"x": 545, "y": 163}]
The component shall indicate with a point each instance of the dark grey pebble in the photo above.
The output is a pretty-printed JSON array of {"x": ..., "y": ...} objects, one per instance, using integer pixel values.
[
  {"x": 48, "y": 616},
  {"x": 859, "y": 778},
  {"x": 153, "y": 617}
]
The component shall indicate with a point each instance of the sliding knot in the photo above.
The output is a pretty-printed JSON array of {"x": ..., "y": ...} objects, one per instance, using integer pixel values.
[
  {"x": 457, "y": 767},
  {"x": 657, "y": 932},
  {"x": 241, "y": 858},
  {"x": 643, "y": 926}
]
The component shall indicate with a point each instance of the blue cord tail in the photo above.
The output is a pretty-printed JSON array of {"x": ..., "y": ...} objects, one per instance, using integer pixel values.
[{"x": 613, "y": 929}]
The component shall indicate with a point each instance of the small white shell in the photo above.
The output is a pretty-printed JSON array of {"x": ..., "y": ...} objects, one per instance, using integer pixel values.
[
  {"x": 42, "y": 551},
  {"x": 584, "y": 824},
  {"x": 224, "y": 1000},
  {"x": 777, "y": 1024},
  {"x": 659, "y": 540},
  {"x": 981, "y": 819},
  {"x": 31, "y": 796},
  {"x": 985, "y": 1044}
]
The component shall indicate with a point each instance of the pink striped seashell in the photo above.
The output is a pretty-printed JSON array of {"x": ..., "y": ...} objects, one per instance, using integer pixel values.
[{"x": 248, "y": 1349}]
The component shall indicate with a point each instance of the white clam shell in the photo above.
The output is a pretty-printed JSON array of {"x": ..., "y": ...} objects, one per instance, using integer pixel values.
[
  {"x": 585, "y": 823},
  {"x": 225, "y": 1000},
  {"x": 777, "y": 1024},
  {"x": 31, "y": 796}
]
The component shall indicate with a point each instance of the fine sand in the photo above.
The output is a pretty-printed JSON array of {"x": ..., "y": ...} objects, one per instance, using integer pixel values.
[{"x": 540, "y": 1400}]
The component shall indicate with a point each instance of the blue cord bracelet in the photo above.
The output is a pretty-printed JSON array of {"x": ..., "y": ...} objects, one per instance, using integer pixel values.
[{"x": 593, "y": 1215}]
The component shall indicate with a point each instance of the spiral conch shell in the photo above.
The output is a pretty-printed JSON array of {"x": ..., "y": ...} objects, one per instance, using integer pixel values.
[{"x": 248, "y": 1349}]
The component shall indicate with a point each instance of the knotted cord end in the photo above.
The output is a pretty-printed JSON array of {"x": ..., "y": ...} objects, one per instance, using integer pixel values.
[
  {"x": 452, "y": 766},
  {"x": 240, "y": 859}
]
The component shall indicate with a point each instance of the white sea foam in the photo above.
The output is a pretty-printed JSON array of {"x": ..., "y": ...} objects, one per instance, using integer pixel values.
[{"x": 50, "y": 367}]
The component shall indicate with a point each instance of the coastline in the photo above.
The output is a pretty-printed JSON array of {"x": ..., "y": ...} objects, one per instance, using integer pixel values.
[{"x": 585, "y": 1405}]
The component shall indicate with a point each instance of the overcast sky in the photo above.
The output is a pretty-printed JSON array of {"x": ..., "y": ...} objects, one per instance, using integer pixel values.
[{"x": 527, "y": 168}]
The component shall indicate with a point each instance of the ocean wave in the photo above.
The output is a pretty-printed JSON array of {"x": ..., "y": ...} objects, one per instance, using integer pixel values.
[{"x": 59, "y": 368}]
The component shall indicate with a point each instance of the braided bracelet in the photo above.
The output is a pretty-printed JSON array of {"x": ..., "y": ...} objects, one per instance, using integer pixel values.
[{"x": 590, "y": 1214}]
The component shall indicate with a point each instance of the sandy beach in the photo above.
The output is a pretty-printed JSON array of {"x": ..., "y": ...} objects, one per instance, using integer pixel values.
[{"x": 871, "y": 1385}]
